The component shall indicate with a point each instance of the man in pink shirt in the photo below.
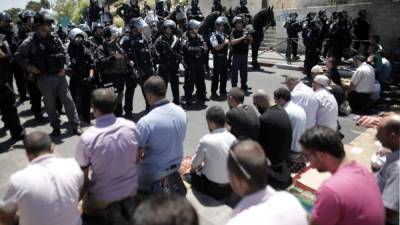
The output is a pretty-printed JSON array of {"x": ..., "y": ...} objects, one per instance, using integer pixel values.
[{"x": 350, "y": 196}]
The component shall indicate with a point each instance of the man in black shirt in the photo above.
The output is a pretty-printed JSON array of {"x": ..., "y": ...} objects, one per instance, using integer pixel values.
[
  {"x": 275, "y": 138},
  {"x": 241, "y": 118},
  {"x": 240, "y": 48}
]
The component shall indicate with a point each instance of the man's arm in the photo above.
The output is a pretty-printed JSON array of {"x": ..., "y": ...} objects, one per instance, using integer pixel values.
[
  {"x": 238, "y": 40},
  {"x": 199, "y": 156},
  {"x": 144, "y": 135},
  {"x": 85, "y": 186},
  {"x": 8, "y": 206}
]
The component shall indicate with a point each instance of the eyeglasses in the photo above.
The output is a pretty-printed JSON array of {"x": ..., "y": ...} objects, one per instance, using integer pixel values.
[{"x": 242, "y": 169}]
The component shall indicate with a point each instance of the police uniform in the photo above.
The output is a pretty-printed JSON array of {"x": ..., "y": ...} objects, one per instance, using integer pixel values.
[
  {"x": 48, "y": 56},
  {"x": 239, "y": 59},
  {"x": 8, "y": 106},
  {"x": 194, "y": 12},
  {"x": 112, "y": 71},
  {"x": 194, "y": 49},
  {"x": 128, "y": 11},
  {"x": 293, "y": 27},
  {"x": 220, "y": 63},
  {"x": 311, "y": 41},
  {"x": 168, "y": 50},
  {"x": 81, "y": 62},
  {"x": 137, "y": 49},
  {"x": 93, "y": 13}
]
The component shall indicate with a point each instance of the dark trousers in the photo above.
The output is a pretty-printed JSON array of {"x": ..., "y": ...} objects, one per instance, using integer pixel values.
[
  {"x": 220, "y": 73},
  {"x": 81, "y": 92},
  {"x": 170, "y": 75},
  {"x": 292, "y": 45},
  {"x": 312, "y": 57},
  {"x": 9, "y": 111},
  {"x": 359, "y": 102},
  {"x": 204, "y": 185},
  {"x": 19, "y": 76},
  {"x": 116, "y": 83},
  {"x": 194, "y": 76},
  {"x": 239, "y": 63},
  {"x": 35, "y": 97},
  {"x": 130, "y": 86}
]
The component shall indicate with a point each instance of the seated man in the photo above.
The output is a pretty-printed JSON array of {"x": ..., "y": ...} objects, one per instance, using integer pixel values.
[
  {"x": 260, "y": 203},
  {"x": 275, "y": 138},
  {"x": 211, "y": 157},
  {"x": 362, "y": 85},
  {"x": 47, "y": 191},
  {"x": 350, "y": 195},
  {"x": 242, "y": 119},
  {"x": 108, "y": 150},
  {"x": 328, "y": 112},
  {"x": 388, "y": 177},
  {"x": 162, "y": 132}
]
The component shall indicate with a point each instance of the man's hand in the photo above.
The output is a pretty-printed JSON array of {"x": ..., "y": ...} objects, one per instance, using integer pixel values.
[
  {"x": 33, "y": 70},
  {"x": 226, "y": 42},
  {"x": 139, "y": 155},
  {"x": 118, "y": 56},
  {"x": 2, "y": 54}
]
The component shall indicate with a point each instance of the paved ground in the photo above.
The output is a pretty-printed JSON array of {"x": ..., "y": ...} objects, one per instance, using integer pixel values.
[{"x": 12, "y": 156}]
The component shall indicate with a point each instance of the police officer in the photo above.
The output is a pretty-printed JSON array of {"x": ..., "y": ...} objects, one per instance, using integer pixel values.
[
  {"x": 93, "y": 12},
  {"x": 129, "y": 10},
  {"x": 240, "y": 40},
  {"x": 8, "y": 106},
  {"x": 217, "y": 7},
  {"x": 169, "y": 55},
  {"x": 161, "y": 12},
  {"x": 43, "y": 55},
  {"x": 293, "y": 28},
  {"x": 62, "y": 34},
  {"x": 243, "y": 10},
  {"x": 194, "y": 11},
  {"x": 220, "y": 45},
  {"x": 137, "y": 49},
  {"x": 311, "y": 42},
  {"x": 361, "y": 30},
  {"x": 85, "y": 28},
  {"x": 113, "y": 65},
  {"x": 194, "y": 49},
  {"x": 340, "y": 32},
  {"x": 97, "y": 39},
  {"x": 81, "y": 71}
]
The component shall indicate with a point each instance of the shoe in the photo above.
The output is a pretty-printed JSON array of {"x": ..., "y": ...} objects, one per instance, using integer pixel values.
[
  {"x": 55, "y": 132},
  {"x": 77, "y": 131},
  {"x": 204, "y": 99},
  {"x": 296, "y": 57},
  {"x": 21, "y": 136},
  {"x": 214, "y": 96}
]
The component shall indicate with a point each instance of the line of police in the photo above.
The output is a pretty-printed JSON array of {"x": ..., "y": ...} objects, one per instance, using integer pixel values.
[
  {"x": 323, "y": 36},
  {"x": 39, "y": 61}
]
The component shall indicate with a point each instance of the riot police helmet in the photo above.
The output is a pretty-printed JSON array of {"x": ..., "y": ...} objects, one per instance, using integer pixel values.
[
  {"x": 45, "y": 16},
  {"x": 243, "y": 2},
  {"x": 111, "y": 32},
  {"x": 5, "y": 17},
  {"x": 96, "y": 25},
  {"x": 85, "y": 28},
  {"x": 169, "y": 24},
  {"x": 195, "y": 2},
  {"x": 221, "y": 20},
  {"x": 137, "y": 23},
  {"x": 193, "y": 24},
  {"x": 27, "y": 14},
  {"x": 94, "y": 1},
  {"x": 293, "y": 15},
  {"x": 237, "y": 19},
  {"x": 76, "y": 32},
  {"x": 362, "y": 12}
]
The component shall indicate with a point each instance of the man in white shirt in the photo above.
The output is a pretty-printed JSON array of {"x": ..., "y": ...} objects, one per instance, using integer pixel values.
[
  {"x": 327, "y": 113},
  {"x": 46, "y": 192},
  {"x": 211, "y": 157},
  {"x": 362, "y": 85},
  {"x": 260, "y": 203},
  {"x": 297, "y": 117},
  {"x": 303, "y": 96}
]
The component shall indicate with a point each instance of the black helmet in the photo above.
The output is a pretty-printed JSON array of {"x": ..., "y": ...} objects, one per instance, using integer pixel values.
[
  {"x": 76, "y": 32},
  {"x": 137, "y": 23},
  {"x": 237, "y": 19},
  {"x": 193, "y": 24},
  {"x": 96, "y": 25},
  {"x": 110, "y": 31},
  {"x": 45, "y": 16},
  {"x": 94, "y": 1},
  {"x": 5, "y": 17},
  {"x": 169, "y": 24},
  {"x": 27, "y": 13},
  {"x": 243, "y": 2},
  {"x": 221, "y": 20}
]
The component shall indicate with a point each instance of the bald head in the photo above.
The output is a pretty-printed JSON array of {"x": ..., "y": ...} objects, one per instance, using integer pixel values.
[
  {"x": 247, "y": 162},
  {"x": 261, "y": 100},
  {"x": 104, "y": 100},
  {"x": 389, "y": 132},
  {"x": 36, "y": 143}
]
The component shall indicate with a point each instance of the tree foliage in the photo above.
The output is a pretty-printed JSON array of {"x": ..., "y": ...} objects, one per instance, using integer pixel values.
[
  {"x": 14, "y": 12},
  {"x": 32, "y": 5}
]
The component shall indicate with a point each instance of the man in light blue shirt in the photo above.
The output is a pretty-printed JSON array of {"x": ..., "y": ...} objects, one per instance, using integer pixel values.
[{"x": 162, "y": 132}]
